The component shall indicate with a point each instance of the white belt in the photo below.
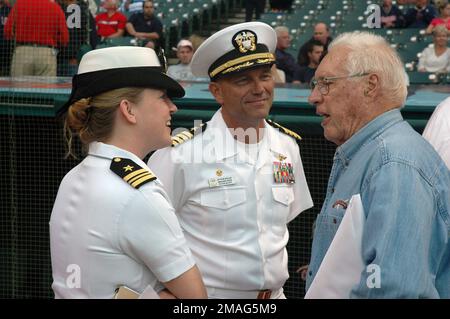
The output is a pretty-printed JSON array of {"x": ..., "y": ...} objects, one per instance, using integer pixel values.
[{"x": 219, "y": 293}]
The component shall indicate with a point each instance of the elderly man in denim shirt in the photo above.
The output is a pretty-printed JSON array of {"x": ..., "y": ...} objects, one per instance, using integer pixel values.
[{"x": 404, "y": 185}]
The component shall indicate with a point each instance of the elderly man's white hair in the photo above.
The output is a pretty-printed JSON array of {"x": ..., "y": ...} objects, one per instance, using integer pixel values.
[
  {"x": 372, "y": 53},
  {"x": 281, "y": 29}
]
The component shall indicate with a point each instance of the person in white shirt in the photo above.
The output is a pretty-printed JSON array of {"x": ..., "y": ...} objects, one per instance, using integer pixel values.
[
  {"x": 437, "y": 130},
  {"x": 112, "y": 223},
  {"x": 238, "y": 180},
  {"x": 182, "y": 71},
  {"x": 436, "y": 58}
]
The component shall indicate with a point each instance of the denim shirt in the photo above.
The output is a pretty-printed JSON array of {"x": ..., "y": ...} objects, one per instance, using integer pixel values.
[{"x": 405, "y": 192}]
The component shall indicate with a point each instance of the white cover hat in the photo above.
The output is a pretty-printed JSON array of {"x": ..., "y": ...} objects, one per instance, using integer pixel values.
[
  {"x": 107, "y": 69},
  {"x": 234, "y": 49}
]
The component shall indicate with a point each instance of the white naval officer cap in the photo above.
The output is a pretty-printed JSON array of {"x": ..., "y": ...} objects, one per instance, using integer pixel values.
[
  {"x": 112, "y": 68},
  {"x": 234, "y": 49}
]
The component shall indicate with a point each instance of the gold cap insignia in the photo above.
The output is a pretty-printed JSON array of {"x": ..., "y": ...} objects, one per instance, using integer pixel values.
[
  {"x": 219, "y": 172},
  {"x": 244, "y": 41}
]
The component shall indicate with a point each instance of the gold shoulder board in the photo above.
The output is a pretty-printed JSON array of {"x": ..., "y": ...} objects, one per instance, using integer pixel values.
[
  {"x": 131, "y": 172},
  {"x": 184, "y": 136},
  {"x": 284, "y": 130}
]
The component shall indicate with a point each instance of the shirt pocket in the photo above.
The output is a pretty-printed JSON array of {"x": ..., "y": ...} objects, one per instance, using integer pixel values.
[
  {"x": 225, "y": 212},
  {"x": 283, "y": 197},
  {"x": 223, "y": 198}
]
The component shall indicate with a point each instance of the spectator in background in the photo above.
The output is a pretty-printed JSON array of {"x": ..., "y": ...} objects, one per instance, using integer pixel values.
[
  {"x": 284, "y": 60},
  {"x": 420, "y": 16},
  {"x": 182, "y": 71},
  {"x": 38, "y": 27},
  {"x": 146, "y": 26},
  {"x": 5, "y": 45},
  {"x": 437, "y": 131},
  {"x": 110, "y": 24},
  {"x": 436, "y": 58},
  {"x": 444, "y": 10},
  {"x": 391, "y": 15},
  {"x": 67, "y": 57},
  {"x": 322, "y": 34},
  {"x": 315, "y": 52},
  {"x": 254, "y": 5}
]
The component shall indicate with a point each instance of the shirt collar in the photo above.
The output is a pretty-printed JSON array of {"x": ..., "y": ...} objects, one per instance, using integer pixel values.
[
  {"x": 224, "y": 142},
  {"x": 109, "y": 151},
  {"x": 367, "y": 133}
]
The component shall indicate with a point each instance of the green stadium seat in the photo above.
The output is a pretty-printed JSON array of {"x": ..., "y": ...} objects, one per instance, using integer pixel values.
[
  {"x": 114, "y": 42},
  {"x": 446, "y": 78},
  {"x": 409, "y": 51},
  {"x": 416, "y": 77}
]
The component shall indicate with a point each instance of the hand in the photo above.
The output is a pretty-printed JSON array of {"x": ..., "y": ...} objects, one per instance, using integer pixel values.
[{"x": 303, "y": 270}]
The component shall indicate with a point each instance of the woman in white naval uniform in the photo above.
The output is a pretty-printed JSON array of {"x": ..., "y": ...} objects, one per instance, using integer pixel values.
[{"x": 112, "y": 223}]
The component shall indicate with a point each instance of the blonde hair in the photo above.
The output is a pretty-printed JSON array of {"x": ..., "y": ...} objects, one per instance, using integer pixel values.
[
  {"x": 440, "y": 29},
  {"x": 371, "y": 53},
  {"x": 92, "y": 119}
]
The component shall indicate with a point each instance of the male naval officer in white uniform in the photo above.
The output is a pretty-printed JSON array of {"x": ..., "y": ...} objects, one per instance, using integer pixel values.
[{"x": 236, "y": 181}]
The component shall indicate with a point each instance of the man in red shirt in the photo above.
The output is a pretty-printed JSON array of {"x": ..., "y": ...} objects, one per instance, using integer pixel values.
[
  {"x": 38, "y": 28},
  {"x": 110, "y": 24}
]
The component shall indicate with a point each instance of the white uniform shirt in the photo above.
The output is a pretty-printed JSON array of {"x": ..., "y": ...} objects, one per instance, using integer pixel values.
[
  {"x": 237, "y": 232},
  {"x": 105, "y": 233},
  {"x": 437, "y": 131}
]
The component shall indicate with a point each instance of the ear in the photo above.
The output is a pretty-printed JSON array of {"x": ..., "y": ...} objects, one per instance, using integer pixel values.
[
  {"x": 216, "y": 91},
  {"x": 126, "y": 109},
  {"x": 372, "y": 86}
]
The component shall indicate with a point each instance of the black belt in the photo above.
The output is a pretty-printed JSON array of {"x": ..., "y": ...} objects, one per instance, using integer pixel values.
[{"x": 38, "y": 45}]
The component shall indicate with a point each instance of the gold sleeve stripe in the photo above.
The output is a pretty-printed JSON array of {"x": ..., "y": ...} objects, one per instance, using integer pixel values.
[
  {"x": 131, "y": 175},
  {"x": 143, "y": 179},
  {"x": 137, "y": 177}
]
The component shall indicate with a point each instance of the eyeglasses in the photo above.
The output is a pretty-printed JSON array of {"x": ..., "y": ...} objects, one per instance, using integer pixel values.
[{"x": 324, "y": 83}]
